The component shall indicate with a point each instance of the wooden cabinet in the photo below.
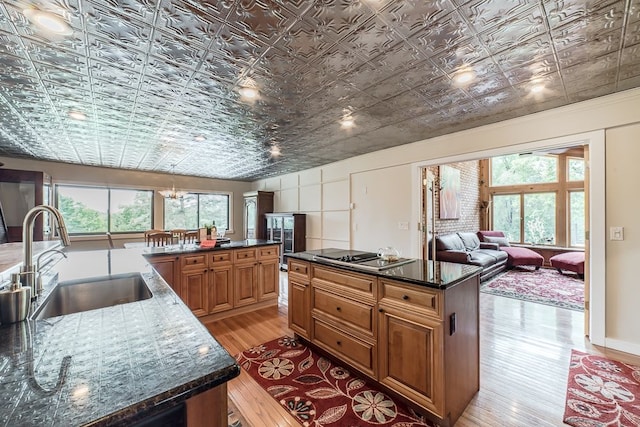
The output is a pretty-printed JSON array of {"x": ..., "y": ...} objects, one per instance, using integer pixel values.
[
  {"x": 268, "y": 273},
  {"x": 291, "y": 230},
  {"x": 256, "y": 205},
  {"x": 422, "y": 343},
  {"x": 221, "y": 283},
  {"x": 299, "y": 298},
  {"x": 169, "y": 268}
]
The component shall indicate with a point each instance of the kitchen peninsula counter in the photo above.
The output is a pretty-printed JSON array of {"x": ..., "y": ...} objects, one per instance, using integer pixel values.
[
  {"x": 190, "y": 248},
  {"x": 123, "y": 363}
]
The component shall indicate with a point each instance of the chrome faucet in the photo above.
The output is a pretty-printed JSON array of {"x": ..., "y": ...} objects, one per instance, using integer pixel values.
[{"x": 29, "y": 276}]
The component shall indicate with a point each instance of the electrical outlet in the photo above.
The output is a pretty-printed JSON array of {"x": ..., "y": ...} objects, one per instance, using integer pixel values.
[{"x": 616, "y": 233}]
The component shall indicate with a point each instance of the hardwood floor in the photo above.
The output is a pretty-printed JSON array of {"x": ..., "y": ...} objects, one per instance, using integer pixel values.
[{"x": 524, "y": 356}]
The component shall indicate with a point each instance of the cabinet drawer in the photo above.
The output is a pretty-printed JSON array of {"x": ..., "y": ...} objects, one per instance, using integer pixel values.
[
  {"x": 352, "y": 312},
  {"x": 299, "y": 268},
  {"x": 193, "y": 261},
  {"x": 358, "y": 285},
  {"x": 241, "y": 255},
  {"x": 358, "y": 352},
  {"x": 268, "y": 252},
  {"x": 220, "y": 257},
  {"x": 420, "y": 298}
]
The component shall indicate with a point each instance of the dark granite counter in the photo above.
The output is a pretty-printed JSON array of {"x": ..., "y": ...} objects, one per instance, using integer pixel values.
[
  {"x": 109, "y": 366},
  {"x": 191, "y": 248},
  {"x": 11, "y": 255},
  {"x": 439, "y": 275}
]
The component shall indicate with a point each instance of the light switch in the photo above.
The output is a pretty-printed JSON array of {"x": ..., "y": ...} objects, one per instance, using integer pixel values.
[{"x": 616, "y": 233}]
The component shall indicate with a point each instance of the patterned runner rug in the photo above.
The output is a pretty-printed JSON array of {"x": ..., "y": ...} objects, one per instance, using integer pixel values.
[
  {"x": 602, "y": 392},
  {"x": 544, "y": 286},
  {"x": 319, "y": 393}
]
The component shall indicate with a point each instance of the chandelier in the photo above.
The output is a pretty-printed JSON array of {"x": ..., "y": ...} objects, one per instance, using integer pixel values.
[{"x": 172, "y": 193}]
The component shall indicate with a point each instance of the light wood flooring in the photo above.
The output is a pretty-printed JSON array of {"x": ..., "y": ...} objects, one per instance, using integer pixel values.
[{"x": 524, "y": 356}]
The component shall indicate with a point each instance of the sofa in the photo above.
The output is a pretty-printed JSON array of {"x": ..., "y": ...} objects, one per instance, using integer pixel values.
[
  {"x": 466, "y": 248},
  {"x": 516, "y": 255}
]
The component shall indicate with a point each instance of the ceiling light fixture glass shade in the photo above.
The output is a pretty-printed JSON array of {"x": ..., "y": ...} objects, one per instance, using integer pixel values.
[
  {"x": 172, "y": 193},
  {"x": 464, "y": 76}
]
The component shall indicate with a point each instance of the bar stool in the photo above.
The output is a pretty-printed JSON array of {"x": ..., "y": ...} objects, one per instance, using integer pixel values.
[
  {"x": 179, "y": 234},
  {"x": 148, "y": 233},
  {"x": 191, "y": 236}
]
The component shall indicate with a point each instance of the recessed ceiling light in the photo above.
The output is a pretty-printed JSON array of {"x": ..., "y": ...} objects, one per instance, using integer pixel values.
[
  {"x": 537, "y": 88},
  {"x": 464, "y": 76},
  {"x": 200, "y": 138},
  {"x": 48, "y": 22},
  {"x": 275, "y": 151},
  {"x": 77, "y": 115},
  {"x": 347, "y": 122},
  {"x": 248, "y": 92}
]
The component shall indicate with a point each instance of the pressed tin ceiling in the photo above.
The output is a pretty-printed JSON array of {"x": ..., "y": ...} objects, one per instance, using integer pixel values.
[{"x": 153, "y": 77}]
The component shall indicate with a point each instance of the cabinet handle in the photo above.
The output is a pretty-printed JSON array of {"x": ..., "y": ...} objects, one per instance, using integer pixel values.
[
  {"x": 381, "y": 310},
  {"x": 338, "y": 308},
  {"x": 177, "y": 258},
  {"x": 405, "y": 297},
  {"x": 339, "y": 342},
  {"x": 205, "y": 270}
]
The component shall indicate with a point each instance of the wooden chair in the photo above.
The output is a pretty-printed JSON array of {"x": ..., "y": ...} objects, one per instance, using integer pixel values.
[
  {"x": 179, "y": 234},
  {"x": 191, "y": 236},
  {"x": 161, "y": 238},
  {"x": 148, "y": 233}
]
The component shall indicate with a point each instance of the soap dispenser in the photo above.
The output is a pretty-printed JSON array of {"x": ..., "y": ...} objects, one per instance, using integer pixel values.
[{"x": 15, "y": 301}]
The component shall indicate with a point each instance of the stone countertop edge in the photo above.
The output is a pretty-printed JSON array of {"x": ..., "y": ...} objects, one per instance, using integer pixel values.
[
  {"x": 193, "y": 248},
  {"x": 415, "y": 273},
  {"x": 128, "y": 361}
]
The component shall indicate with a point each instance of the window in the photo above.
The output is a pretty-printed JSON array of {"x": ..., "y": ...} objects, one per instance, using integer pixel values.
[
  {"x": 97, "y": 210},
  {"x": 197, "y": 209},
  {"x": 540, "y": 218},
  {"x": 518, "y": 169},
  {"x": 576, "y": 169},
  {"x": 506, "y": 215},
  {"x": 576, "y": 218}
]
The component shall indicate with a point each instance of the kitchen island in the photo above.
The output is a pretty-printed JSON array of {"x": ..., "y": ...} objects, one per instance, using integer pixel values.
[
  {"x": 411, "y": 328},
  {"x": 137, "y": 363}
]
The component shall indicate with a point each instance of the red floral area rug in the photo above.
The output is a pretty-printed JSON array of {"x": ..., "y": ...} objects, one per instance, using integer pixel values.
[
  {"x": 319, "y": 393},
  {"x": 602, "y": 392},
  {"x": 544, "y": 286}
]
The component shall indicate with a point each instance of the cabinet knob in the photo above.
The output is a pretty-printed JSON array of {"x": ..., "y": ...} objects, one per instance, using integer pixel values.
[
  {"x": 381, "y": 310},
  {"x": 205, "y": 270},
  {"x": 339, "y": 342},
  {"x": 338, "y": 308},
  {"x": 405, "y": 297},
  {"x": 177, "y": 258}
]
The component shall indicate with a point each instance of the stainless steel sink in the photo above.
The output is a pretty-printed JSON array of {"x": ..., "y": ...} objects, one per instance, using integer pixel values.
[{"x": 75, "y": 296}]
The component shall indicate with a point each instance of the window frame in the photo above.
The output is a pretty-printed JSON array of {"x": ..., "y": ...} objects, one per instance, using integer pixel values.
[
  {"x": 229, "y": 196},
  {"x": 562, "y": 188},
  {"x": 56, "y": 195}
]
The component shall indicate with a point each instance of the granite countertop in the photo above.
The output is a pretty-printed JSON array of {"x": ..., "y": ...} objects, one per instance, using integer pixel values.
[
  {"x": 122, "y": 363},
  {"x": 191, "y": 247},
  {"x": 439, "y": 275},
  {"x": 11, "y": 255}
]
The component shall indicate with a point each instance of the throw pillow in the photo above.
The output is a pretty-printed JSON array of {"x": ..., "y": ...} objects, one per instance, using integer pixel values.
[{"x": 502, "y": 241}]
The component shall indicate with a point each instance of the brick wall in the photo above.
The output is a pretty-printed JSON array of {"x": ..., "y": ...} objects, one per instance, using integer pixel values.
[{"x": 469, "y": 197}]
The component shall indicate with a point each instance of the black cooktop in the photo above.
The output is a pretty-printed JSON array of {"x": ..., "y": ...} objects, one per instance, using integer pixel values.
[{"x": 347, "y": 255}]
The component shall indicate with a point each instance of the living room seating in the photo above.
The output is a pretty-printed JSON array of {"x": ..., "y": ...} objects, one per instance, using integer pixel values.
[
  {"x": 516, "y": 255},
  {"x": 466, "y": 248},
  {"x": 570, "y": 261}
]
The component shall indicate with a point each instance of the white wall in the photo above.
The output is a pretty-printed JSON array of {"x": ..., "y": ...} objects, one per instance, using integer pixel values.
[
  {"x": 88, "y": 175},
  {"x": 390, "y": 196}
]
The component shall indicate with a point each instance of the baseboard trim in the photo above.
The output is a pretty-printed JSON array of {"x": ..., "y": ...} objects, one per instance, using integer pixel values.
[{"x": 624, "y": 346}]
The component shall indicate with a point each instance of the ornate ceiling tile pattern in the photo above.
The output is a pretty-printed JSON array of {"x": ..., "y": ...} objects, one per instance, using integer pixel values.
[{"x": 159, "y": 80}]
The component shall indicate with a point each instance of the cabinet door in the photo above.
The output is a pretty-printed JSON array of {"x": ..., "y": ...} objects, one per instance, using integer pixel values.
[
  {"x": 268, "y": 279},
  {"x": 401, "y": 337},
  {"x": 287, "y": 235},
  {"x": 220, "y": 292},
  {"x": 299, "y": 308},
  {"x": 245, "y": 284},
  {"x": 167, "y": 267},
  {"x": 194, "y": 290}
]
